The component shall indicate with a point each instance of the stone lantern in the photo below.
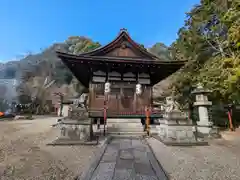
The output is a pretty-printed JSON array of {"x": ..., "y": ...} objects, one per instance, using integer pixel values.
[{"x": 203, "y": 104}]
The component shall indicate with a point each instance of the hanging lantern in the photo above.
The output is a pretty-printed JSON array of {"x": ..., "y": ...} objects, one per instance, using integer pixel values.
[
  {"x": 107, "y": 88},
  {"x": 138, "y": 89}
]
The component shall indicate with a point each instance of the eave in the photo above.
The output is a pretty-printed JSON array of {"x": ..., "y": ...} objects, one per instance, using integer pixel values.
[
  {"x": 106, "y": 59},
  {"x": 81, "y": 66}
]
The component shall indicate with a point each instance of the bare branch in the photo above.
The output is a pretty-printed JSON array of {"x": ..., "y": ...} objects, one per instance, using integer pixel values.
[{"x": 212, "y": 45}]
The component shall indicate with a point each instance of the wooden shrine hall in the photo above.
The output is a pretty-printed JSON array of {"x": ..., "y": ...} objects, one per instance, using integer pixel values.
[{"x": 124, "y": 64}]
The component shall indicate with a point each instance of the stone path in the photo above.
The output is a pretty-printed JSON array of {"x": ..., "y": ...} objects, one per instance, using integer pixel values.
[{"x": 128, "y": 159}]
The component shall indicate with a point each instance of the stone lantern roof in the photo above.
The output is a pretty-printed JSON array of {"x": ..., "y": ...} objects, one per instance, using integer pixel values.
[{"x": 200, "y": 90}]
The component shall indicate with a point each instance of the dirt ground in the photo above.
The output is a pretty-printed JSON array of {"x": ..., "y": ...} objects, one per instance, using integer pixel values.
[
  {"x": 218, "y": 161},
  {"x": 24, "y": 154}
]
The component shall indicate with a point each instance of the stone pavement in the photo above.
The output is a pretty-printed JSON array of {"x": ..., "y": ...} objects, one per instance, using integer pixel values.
[{"x": 128, "y": 159}]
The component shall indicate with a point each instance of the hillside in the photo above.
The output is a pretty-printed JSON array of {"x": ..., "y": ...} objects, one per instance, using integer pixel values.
[
  {"x": 34, "y": 68},
  {"x": 75, "y": 45}
]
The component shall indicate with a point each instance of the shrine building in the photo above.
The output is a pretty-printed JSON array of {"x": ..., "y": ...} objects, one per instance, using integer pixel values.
[{"x": 125, "y": 64}]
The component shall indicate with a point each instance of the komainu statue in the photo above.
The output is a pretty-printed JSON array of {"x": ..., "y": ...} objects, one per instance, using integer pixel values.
[{"x": 171, "y": 105}]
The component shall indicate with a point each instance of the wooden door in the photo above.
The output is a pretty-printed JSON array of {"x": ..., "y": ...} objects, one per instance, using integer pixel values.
[
  {"x": 127, "y": 99},
  {"x": 113, "y": 100}
]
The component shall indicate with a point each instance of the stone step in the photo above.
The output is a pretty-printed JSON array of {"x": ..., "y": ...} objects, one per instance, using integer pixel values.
[
  {"x": 127, "y": 133},
  {"x": 153, "y": 130},
  {"x": 123, "y": 126},
  {"x": 112, "y": 120},
  {"x": 119, "y": 127},
  {"x": 124, "y": 129}
]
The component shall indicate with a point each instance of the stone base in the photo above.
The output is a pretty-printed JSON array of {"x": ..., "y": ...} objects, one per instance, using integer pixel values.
[
  {"x": 208, "y": 132},
  {"x": 174, "y": 143},
  {"x": 175, "y": 122},
  {"x": 176, "y": 133},
  {"x": 205, "y": 130},
  {"x": 215, "y": 132},
  {"x": 75, "y": 131}
]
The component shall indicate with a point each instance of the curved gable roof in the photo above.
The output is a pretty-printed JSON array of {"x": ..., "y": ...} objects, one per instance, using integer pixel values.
[{"x": 123, "y": 36}]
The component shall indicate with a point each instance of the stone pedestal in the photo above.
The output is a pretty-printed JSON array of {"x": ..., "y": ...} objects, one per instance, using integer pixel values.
[
  {"x": 75, "y": 131},
  {"x": 76, "y": 128},
  {"x": 175, "y": 127}
]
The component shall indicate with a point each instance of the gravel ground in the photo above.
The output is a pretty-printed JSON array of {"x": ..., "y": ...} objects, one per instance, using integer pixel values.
[
  {"x": 24, "y": 154},
  {"x": 219, "y": 161}
]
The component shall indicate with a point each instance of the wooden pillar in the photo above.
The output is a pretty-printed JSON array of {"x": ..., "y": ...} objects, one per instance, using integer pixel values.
[
  {"x": 91, "y": 95},
  {"x": 135, "y": 102},
  {"x": 118, "y": 101},
  {"x": 147, "y": 112},
  {"x": 135, "y": 95},
  {"x": 105, "y": 104},
  {"x": 105, "y": 109},
  {"x": 151, "y": 95},
  {"x": 98, "y": 123}
]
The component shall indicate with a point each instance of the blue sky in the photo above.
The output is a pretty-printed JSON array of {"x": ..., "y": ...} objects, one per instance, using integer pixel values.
[{"x": 30, "y": 25}]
